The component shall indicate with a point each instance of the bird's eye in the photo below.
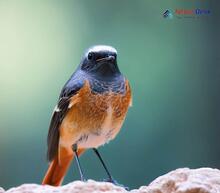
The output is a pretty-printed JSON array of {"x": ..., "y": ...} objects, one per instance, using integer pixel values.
[{"x": 90, "y": 55}]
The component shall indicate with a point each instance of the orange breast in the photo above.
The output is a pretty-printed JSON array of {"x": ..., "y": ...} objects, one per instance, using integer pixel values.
[{"x": 94, "y": 119}]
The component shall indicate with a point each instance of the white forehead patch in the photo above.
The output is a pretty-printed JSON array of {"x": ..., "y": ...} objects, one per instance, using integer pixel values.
[{"x": 99, "y": 48}]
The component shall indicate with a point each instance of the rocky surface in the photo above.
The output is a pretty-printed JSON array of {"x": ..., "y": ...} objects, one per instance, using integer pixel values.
[
  {"x": 185, "y": 180},
  {"x": 203, "y": 180},
  {"x": 2, "y": 190}
]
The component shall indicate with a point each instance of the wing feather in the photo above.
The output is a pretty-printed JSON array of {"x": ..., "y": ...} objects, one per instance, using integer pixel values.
[{"x": 69, "y": 90}]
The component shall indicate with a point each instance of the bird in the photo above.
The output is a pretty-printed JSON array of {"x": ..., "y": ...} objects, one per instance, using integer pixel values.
[{"x": 90, "y": 111}]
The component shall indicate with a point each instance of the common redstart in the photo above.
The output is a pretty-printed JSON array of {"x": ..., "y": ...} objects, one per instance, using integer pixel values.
[{"x": 90, "y": 112}]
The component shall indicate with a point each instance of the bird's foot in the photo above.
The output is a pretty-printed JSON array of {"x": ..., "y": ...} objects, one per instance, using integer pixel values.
[
  {"x": 83, "y": 180},
  {"x": 115, "y": 183}
]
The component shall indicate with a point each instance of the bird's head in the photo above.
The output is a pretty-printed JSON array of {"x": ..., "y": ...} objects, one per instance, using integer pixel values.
[{"x": 100, "y": 60}]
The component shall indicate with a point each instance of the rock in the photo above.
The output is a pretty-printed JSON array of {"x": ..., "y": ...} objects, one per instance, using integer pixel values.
[
  {"x": 74, "y": 187},
  {"x": 184, "y": 180},
  {"x": 2, "y": 190}
]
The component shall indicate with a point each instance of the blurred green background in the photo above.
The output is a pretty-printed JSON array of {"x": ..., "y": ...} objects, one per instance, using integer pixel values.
[{"x": 173, "y": 66}]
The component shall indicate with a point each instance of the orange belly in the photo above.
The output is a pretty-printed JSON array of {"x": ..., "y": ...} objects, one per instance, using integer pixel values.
[{"x": 94, "y": 119}]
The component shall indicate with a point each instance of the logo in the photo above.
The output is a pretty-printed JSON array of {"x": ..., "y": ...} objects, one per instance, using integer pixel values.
[
  {"x": 168, "y": 14},
  {"x": 186, "y": 13}
]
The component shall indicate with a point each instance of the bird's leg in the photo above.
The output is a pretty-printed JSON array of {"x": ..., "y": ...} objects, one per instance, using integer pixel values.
[
  {"x": 110, "y": 179},
  {"x": 74, "y": 147}
]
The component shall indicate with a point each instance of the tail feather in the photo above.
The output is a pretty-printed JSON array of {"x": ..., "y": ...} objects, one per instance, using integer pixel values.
[{"x": 57, "y": 170}]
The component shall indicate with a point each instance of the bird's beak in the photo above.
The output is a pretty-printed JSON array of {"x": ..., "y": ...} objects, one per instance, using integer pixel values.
[{"x": 108, "y": 58}]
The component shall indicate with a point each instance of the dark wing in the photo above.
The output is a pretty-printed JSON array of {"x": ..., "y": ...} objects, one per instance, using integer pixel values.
[{"x": 69, "y": 90}]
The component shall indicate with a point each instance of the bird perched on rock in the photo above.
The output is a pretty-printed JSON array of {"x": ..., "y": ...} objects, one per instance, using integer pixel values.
[{"x": 90, "y": 112}]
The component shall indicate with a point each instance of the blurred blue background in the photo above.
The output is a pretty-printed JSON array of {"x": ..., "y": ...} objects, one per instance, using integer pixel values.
[{"x": 173, "y": 66}]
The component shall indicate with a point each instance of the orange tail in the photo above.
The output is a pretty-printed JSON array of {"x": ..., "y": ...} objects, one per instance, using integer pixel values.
[{"x": 57, "y": 170}]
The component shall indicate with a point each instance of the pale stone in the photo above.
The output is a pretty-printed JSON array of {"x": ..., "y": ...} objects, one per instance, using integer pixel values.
[
  {"x": 2, "y": 190},
  {"x": 184, "y": 180}
]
